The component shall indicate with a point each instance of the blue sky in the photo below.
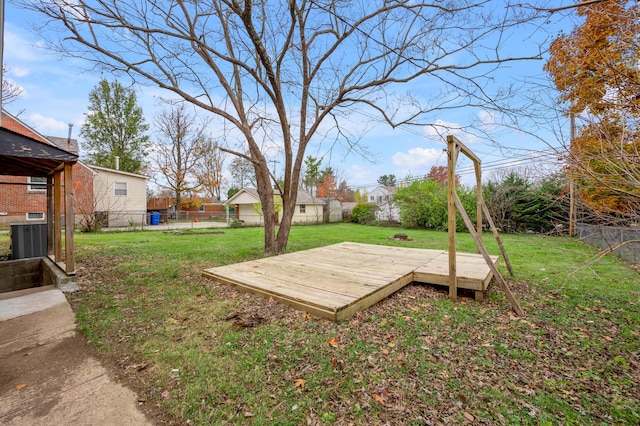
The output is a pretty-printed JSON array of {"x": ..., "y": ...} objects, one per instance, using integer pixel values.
[{"x": 55, "y": 93}]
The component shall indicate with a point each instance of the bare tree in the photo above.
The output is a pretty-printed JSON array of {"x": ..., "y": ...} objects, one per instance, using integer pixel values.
[
  {"x": 179, "y": 150},
  {"x": 209, "y": 170},
  {"x": 242, "y": 172},
  {"x": 289, "y": 72},
  {"x": 10, "y": 90}
]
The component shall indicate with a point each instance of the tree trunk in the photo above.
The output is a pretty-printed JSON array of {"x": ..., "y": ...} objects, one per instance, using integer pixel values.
[
  {"x": 178, "y": 202},
  {"x": 288, "y": 209},
  {"x": 265, "y": 191}
]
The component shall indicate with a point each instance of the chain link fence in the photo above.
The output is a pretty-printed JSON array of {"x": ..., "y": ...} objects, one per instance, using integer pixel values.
[{"x": 606, "y": 237}]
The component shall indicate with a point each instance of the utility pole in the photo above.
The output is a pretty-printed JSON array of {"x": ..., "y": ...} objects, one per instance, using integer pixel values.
[
  {"x": 274, "y": 167},
  {"x": 275, "y": 176},
  {"x": 572, "y": 184}
]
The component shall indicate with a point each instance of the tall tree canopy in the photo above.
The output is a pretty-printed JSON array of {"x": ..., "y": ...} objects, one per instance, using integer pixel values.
[
  {"x": 291, "y": 72},
  {"x": 115, "y": 127},
  {"x": 387, "y": 180},
  {"x": 596, "y": 70},
  {"x": 180, "y": 147}
]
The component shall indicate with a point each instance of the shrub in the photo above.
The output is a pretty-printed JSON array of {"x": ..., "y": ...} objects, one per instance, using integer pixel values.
[
  {"x": 364, "y": 213},
  {"x": 423, "y": 204},
  {"x": 235, "y": 223}
]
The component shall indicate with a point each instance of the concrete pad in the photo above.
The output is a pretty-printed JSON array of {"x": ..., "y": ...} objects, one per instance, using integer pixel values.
[
  {"x": 49, "y": 375},
  {"x": 30, "y": 303}
]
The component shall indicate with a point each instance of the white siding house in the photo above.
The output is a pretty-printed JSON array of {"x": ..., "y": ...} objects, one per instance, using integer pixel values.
[
  {"x": 383, "y": 197},
  {"x": 120, "y": 197},
  {"x": 308, "y": 209}
]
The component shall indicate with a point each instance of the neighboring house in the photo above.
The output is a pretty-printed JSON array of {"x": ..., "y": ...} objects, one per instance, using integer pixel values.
[
  {"x": 308, "y": 209},
  {"x": 25, "y": 199},
  {"x": 332, "y": 210},
  {"x": 207, "y": 208},
  {"x": 120, "y": 198},
  {"x": 382, "y": 196}
]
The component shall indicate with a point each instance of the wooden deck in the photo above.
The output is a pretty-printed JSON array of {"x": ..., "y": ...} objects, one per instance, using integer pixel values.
[{"x": 336, "y": 281}]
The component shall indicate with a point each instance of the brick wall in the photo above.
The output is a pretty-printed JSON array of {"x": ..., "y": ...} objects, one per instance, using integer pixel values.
[{"x": 18, "y": 200}]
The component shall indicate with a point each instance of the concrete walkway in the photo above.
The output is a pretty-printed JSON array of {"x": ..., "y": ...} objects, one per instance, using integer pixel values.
[{"x": 48, "y": 373}]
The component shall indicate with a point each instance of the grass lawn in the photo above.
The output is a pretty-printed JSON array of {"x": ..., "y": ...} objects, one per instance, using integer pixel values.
[{"x": 414, "y": 358}]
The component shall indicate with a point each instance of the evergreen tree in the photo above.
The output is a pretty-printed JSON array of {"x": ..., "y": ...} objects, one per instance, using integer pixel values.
[{"x": 115, "y": 127}]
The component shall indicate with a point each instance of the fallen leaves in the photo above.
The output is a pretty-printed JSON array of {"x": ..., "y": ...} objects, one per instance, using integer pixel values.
[
  {"x": 334, "y": 342},
  {"x": 244, "y": 320},
  {"x": 379, "y": 399},
  {"x": 21, "y": 386},
  {"x": 299, "y": 383}
]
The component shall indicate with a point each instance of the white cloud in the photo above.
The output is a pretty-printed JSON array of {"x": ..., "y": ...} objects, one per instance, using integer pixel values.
[
  {"x": 440, "y": 129},
  {"x": 416, "y": 158},
  {"x": 488, "y": 119},
  {"x": 48, "y": 126},
  {"x": 18, "y": 71},
  {"x": 20, "y": 50},
  {"x": 359, "y": 175}
]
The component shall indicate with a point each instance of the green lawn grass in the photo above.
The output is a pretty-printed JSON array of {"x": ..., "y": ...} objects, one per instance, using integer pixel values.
[{"x": 414, "y": 358}]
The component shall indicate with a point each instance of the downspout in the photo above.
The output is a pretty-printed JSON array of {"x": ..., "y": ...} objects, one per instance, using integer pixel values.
[{"x": 1, "y": 53}]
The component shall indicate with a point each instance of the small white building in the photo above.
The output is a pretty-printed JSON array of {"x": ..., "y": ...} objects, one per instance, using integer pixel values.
[
  {"x": 382, "y": 196},
  {"x": 120, "y": 198},
  {"x": 248, "y": 207}
]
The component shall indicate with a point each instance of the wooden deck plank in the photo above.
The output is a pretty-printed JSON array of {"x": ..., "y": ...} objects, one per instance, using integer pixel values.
[{"x": 336, "y": 281}]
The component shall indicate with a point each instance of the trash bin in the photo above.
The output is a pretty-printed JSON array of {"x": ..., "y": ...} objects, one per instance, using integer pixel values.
[{"x": 155, "y": 218}]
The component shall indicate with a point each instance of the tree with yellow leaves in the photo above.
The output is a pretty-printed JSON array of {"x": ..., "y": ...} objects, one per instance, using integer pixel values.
[{"x": 596, "y": 68}]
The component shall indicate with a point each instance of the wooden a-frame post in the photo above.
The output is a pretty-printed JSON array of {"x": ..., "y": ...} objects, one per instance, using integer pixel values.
[{"x": 454, "y": 147}]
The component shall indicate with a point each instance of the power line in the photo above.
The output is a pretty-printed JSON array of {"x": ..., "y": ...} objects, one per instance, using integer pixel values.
[{"x": 540, "y": 157}]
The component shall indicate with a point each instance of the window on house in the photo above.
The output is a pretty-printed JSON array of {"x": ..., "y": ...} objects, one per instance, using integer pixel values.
[
  {"x": 35, "y": 216},
  {"x": 120, "y": 188},
  {"x": 37, "y": 183},
  {"x": 303, "y": 208},
  {"x": 379, "y": 198},
  {"x": 201, "y": 208},
  {"x": 372, "y": 198}
]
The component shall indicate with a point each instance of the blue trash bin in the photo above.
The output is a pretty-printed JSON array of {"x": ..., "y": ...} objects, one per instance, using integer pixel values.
[{"x": 155, "y": 218}]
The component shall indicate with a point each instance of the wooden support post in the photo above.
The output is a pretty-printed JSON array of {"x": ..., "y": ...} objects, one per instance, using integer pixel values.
[
  {"x": 69, "y": 219},
  {"x": 50, "y": 216},
  {"x": 479, "y": 200},
  {"x": 451, "y": 208},
  {"x": 497, "y": 236},
  {"x": 57, "y": 216},
  {"x": 514, "y": 303}
]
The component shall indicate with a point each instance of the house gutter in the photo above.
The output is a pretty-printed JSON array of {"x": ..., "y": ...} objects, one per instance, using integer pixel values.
[{"x": 1, "y": 52}]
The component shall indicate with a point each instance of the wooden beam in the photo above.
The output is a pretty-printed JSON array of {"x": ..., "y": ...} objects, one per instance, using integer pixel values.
[
  {"x": 50, "y": 221},
  {"x": 514, "y": 303},
  {"x": 69, "y": 219},
  {"x": 57, "y": 215},
  {"x": 479, "y": 200},
  {"x": 452, "y": 158},
  {"x": 497, "y": 237}
]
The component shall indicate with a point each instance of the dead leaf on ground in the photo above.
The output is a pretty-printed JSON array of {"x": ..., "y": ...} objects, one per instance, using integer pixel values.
[
  {"x": 243, "y": 319},
  {"x": 379, "y": 399},
  {"x": 334, "y": 342},
  {"x": 21, "y": 386},
  {"x": 299, "y": 383}
]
